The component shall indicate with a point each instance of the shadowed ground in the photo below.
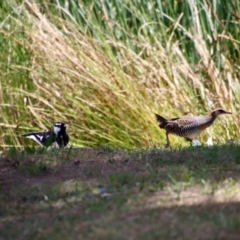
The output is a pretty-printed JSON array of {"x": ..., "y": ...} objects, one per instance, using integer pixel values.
[{"x": 190, "y": 193}]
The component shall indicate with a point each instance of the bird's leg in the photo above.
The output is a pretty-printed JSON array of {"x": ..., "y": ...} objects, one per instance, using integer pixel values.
[
  {"x": 168, "y": 142},
  {"x": 189, "y": 140}
]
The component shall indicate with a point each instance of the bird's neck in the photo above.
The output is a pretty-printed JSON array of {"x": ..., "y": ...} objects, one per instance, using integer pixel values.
[{"x": 213, "y": 117}]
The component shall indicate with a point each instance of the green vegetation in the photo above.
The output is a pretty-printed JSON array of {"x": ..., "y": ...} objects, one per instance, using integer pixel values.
[
  {"x": 107, "y": 66},
  {"x": 192, "y": 193}
]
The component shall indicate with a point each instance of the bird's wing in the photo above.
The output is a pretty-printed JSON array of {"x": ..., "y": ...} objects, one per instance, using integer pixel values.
[
  {"x": 43, "y": 138},
  {"x": 49, "y": 138},
  {"x": 189, "y": 123},
  {"x": 173, "y": 119},
  {"x": 181, "y": 122}
]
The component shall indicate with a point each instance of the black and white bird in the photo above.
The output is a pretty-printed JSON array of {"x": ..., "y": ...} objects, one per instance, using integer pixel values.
[{"x": 58, "y": 135}]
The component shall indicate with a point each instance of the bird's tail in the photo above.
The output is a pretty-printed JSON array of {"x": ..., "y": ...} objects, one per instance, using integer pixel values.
[
  {"x": 162, "y": 121},
  {"x": 28, "y": 135}
]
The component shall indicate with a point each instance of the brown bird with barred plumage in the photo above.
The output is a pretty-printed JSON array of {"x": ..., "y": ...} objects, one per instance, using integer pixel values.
[{"x": 189, "y": 127}]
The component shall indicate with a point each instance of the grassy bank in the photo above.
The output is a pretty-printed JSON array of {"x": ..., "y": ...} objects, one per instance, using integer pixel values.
[{"x": 107, "y": 67}]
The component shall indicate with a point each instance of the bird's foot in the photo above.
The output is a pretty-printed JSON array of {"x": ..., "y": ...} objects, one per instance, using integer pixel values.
[
  {"x": 209, "y": 142},
  {"x": 196, "y": 143},
  {"x": 167, "y": 146}
]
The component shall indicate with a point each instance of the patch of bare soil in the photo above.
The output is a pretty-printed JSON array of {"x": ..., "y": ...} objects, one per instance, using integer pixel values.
[{"x": 83, "y": 164}]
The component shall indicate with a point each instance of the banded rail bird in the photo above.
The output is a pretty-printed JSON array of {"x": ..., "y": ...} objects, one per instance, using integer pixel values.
[
  {"x": 189, "y": 127},
  {"x": 58, "y": 136}
]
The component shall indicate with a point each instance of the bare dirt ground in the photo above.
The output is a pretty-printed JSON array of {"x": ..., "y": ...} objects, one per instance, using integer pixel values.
[{"x": 77, "y": 166}]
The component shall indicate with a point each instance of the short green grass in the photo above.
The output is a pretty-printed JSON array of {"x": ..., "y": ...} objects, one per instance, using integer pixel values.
[{"x": 103, "y": 193}]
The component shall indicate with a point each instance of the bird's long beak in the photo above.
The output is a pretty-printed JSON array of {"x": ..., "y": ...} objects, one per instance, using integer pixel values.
[{"x": 228, "y": 112}]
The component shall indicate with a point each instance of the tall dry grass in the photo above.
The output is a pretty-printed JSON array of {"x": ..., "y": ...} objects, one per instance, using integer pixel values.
[{"x": 108, "y": 74}]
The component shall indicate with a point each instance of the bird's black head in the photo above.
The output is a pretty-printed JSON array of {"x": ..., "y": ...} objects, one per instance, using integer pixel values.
[{"x": 60, "y": 128}]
